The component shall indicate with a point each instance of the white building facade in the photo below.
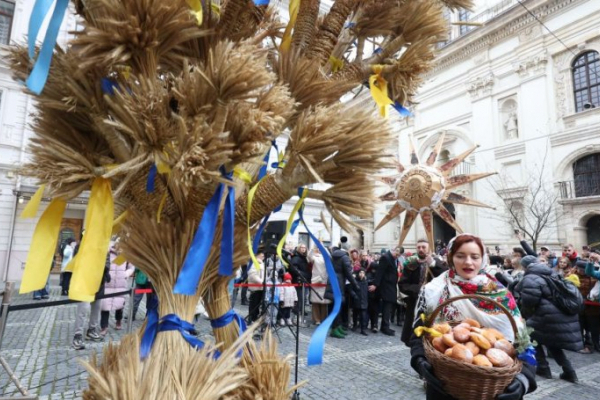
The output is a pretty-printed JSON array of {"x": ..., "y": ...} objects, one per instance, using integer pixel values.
[{"x": 531, "y": 102}]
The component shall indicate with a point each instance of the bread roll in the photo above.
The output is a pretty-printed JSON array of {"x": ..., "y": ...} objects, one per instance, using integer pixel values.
[
  {"x": 473, "y": 347},
  {"x": 463, "y": 325},
  {"x": 496, "y": 333},
  {"x": 461, "y": 353},
  {"x": 442, "y": 328},
  {"x": 490, "y": 336},
  {"x": 481, "y": 341},
  {"x": 461, "y": 335},
  {"x": 448, "y": 352},
  {"x": 506, "y": 347},
  {"x": 482, "y": 361},
  {"x": 498, "y": 358},
  {"x": 476, "y": 330},
  {"x": 448, "y": 339},
  {"x": 472, "y": 322},
  {"x": 439, "y": 345}
]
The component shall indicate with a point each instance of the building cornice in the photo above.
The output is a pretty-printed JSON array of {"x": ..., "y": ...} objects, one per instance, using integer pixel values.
[{"x": 497, "y": 29}]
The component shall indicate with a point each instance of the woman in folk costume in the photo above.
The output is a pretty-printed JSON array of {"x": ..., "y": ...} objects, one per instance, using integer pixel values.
[{"x": 467, "y": 276}]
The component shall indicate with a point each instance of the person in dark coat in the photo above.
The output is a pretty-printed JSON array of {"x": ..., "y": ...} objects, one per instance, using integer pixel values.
[
  {"x": 418, "y": 270},
  {"x": 386, "y": 281},
  {"x": 374, "y": 300},
  {"x": 552, "y": 327},
  {"x": 300, "y": 273},
  {"x": 343, "y": 271},
  {"x": 360, "y": 316}
]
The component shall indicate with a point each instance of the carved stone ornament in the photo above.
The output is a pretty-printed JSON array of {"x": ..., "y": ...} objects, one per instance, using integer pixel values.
[
  {"x": 481, "y": 87},
  {"x": 531, "y": 66}
]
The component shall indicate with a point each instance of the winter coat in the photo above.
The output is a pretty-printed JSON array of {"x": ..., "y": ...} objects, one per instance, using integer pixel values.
[
  {"x": 371, "y": 278},
  {"x": 319, "y": 276},
  {"x": 528, "y": 248},
  {"x": 551, "y": 326},
  {"x": 343, "y": 271},
  {"x": 288, "y": 296},
  {"x": 301, "y": 263},
  {"x": 256, "y": 275},
  {"x": 119, "y": 282},
  {"x": 386, "y": 278},
  {"x": 361, "y": 296}
]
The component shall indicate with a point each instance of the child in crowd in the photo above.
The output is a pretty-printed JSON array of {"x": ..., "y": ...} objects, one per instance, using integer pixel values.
[
  {"x": 288, "y": 299},
  {"x": 361, "y": 303}
]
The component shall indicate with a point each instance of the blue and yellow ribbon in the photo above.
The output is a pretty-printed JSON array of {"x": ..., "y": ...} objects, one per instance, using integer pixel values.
[
  {"x": 291, "y": 224},
  {"x": 41, "y": 67}
]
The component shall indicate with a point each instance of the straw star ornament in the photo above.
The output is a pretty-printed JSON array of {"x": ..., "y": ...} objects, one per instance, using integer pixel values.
[{"x": 422, "y": 189}]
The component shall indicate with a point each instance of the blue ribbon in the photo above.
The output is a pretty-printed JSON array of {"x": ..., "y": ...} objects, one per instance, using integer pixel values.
[
  {"x": 528, "y": 356},
  {"x": 193, "y": 266},
  {"x": 350, "y": 25},
  {"x": 151, "y": 177},
  {"x": 226, "y": 261},
  {"x": 39, "y": 74},
  {"x": 261, "y": 2},
  {"x": 405, "y": 112},
  {"x": 317, "y": 341},
  {"x": 228, "y": 318},
  {"x": 170, "y": 322}
]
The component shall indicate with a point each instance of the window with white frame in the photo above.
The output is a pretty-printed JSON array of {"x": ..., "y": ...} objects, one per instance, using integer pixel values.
[
  {"x": 7, "y": 12},
  {"x": 586, "y": 81}
]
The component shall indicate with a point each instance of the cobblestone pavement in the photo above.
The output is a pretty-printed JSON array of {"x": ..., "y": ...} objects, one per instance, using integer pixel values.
[{"x": 37, "y": 345}]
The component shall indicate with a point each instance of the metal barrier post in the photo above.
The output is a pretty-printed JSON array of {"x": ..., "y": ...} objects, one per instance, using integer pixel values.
[
  {"x": 303, "y": 305},
  {"x": 130, "y": 311},
  {"x": 5, "y": 303}
]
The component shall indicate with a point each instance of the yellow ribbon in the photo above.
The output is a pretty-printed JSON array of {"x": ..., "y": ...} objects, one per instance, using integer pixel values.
[
  {"x": 242, "y": 174},
  {"x": 163, "y": 200},
  {"x": 43, "y": 247},
  {"x": 32, "y": 207},
  {"x": 289, "y": 225},
  {"x": 216, "y": 8},
  {"x": 88, "y": 269},
  {"x": 248, "y": 214},
  {"x": 419, "y": 331},
  {"x": 162, "y": 167},
  {"x": 286, "y": 41},
  {"x": 336, "y": 64},
  {"x": 196, "y": 5},
  {"x": 379, "y": 90},
  {"x": 118, "y": 222}
]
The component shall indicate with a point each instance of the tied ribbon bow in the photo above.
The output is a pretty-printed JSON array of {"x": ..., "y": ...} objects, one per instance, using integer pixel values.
[
  {"x": 41, "y": 67},
  {"x": 228, "y": 318},
  {"x": 170, "y": 322},
  {"x": 379, "y": 90},
  {"x": 317, "y": 341},
  {"x": 193, "y": 266}
]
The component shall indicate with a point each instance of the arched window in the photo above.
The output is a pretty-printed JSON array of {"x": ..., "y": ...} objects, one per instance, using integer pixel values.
[
  {"x": 586, "y": 172},
  {"x": 586, "y": 81}
]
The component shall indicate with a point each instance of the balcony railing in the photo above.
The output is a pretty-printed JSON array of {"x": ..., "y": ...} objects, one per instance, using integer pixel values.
[{"x": 579, "y": 188}]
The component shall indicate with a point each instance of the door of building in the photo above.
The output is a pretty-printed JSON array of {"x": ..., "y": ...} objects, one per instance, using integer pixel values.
[{"x": 70, "y": 228}]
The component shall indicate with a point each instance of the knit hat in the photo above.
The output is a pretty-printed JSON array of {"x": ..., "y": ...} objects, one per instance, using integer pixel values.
[
  {"x": 287, "y": 276},
  {"x": 525, "y": 261},
  {"x": 545, "y": 248}
]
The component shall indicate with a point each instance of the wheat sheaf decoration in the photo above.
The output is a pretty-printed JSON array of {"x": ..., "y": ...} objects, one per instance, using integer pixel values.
[{"x": 166, "y": 111}]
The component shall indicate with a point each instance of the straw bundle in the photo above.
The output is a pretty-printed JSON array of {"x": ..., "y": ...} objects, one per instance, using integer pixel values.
[{"x": 146, "y": 85}]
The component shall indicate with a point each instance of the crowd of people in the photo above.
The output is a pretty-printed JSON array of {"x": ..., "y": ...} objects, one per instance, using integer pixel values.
[{"x": 556, "y": 296}]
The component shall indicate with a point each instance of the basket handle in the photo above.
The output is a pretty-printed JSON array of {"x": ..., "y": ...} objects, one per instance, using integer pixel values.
[{"x": 439, "y": 308}]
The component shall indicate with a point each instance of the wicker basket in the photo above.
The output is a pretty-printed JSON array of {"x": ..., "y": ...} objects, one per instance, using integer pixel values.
[{"x": 468, "y": 381}]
